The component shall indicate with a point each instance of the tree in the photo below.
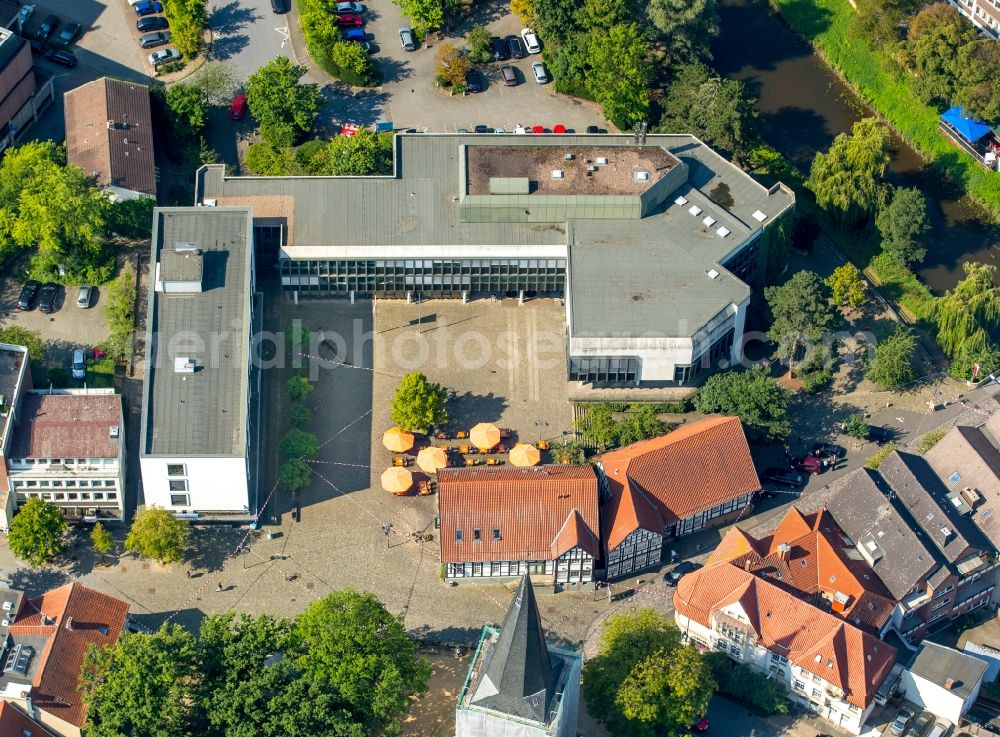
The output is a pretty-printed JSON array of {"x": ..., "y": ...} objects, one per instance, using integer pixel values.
[
  {"x": 299, "y": 387},
  {"x": 934, "y": 38},
  {"x": 716, "y": 110},
  {"x": 188, "y": 20},
  {"x": 188, "y": 109},
  {"x": 556, "y": 19},
  {"x": 427, "y": 15},
  {"x": 847, "y": 179},
  {"x": 363, "y": 154},
  {"x": 478, "y": 40},
  {"x": 523, "y": 9},
  {"x": 101, "y": 539},
  {"x": 119, "y": 311},
  {"x": 354, "y": 59},
  {"x": 277, "y": 99},
  {"x": 979, "y": 66},
  {"x": 645, "y": 681},
  {"x": 298, "y": 415},
  {"x": 218, "y": 82},
  {"x": 800, "y": 312},
  {"x": 30, "y": 339},
  {"x": 419, "y": 403},
  {"x": 299, "y": 444},
  {"x": 131, "y": 218},
  {"x": 879, "y": 21},
  {"x": 965, "y": 314},
  {"x": 620, "y": 73},
  {"x": 294, "y": 474},
  {"x": 266, "y": 160},
  {"x": 753, "y": 396},
  {"x": 362, "y": 652},
  {"x": 640, "y": 423},
  {"x": 687, "y": 27},
  {"x": 893, "y": 362},
  {"x": 157, "y": 534},
  {"x": 987, "y": 358},
  {"x": 847, "y": 286},
  {"x": 569, "y": 452},
  {"x": 857, "y": 426},
  {"x": 36, "y": 532},
  {"x": 140, "y": 686},
  {"x": 452, "y": 65},
  {"x": 902, "y": 222},
  {"x": 762, "y": 694}
]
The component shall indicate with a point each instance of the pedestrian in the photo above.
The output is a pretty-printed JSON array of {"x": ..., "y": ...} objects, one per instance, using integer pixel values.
[
  {"x": 189, "y": 573},
  {"x": 218, "y": 586}
]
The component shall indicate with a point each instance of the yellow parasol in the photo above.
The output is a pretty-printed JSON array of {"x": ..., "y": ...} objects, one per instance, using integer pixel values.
[
  {"x": 430, "y": 459},
  {"x": 397, "y": 480},
  {"x": 525, "y": 455},
  {"x": 485, "y": 435},
  {"x": 396, "y": 440}
]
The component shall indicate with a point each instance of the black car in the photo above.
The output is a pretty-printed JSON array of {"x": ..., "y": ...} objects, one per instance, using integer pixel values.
[
  {"x": 593, "y": 129},
  {"x": 151, "y": 23},
  {"x": 29, "y": 293},
  {"x": 473, "y": 82},
  {"x": 69, "y": 33},
  {"x": 500, "y": 50},
  {"x": 37, "y": 47},
  {"x": 784, "y": 477},
  {"x": 673, "y": 576},
  {"x": 48, "y": 26},
  {"x": 58, "y": 56},
  {"x": 514, "y": 47},
  {"x": 279, "y": 6},
  {"x": 152, "y": 40},
  {"x": 880, "y": 434},
  {"x": 828, "y": 450},
  {"x": 48, "y": 295},
  {"x": 482, "y": 129}
]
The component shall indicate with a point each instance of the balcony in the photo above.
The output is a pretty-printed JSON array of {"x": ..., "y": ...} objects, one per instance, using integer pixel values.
[{"x": 915, "y": 600}]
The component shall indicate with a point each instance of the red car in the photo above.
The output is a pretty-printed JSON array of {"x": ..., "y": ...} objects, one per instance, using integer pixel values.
[
  {"x": 239, "y": 107},
  {"x": 351, "y": 20},
  {"x": 700, "y": 726},
  {"x": 809, "y": 464}
]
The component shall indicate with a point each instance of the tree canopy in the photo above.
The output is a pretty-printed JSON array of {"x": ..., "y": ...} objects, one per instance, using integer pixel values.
[
  {"x": 36, "y": 532},
  {"x": 428, "y": 15},
  {"x": 419, "y": 403},
  {"x": 280, "y": 103},
  {"x": 157, "y": 534},
  {"x": 30, "y": 339},
  {"x": 640, "y": 422},
  {"x": 800, "y": 312},
  {"x": 188, "y": 20},
  {"x": 902, "y": 222},
  {"x": 619, "y": 73},
  {"x": 687, "y": 26},
  {"x": 101, "y": 539},
  {"x": 645, "y": 681},
  {"x": 893, "y": 362},
  {"x": 848, "y": 179},
  {"x": 846, "y": 286},
  {"x": 934, "y": 37},
  {"x": 363, "y": 154},
  {"x": 753, "y": 396},
  {"x": 965, "y": 314},
  {"x": 294, "y": 474},
  {"x": 298, "y": 443}
]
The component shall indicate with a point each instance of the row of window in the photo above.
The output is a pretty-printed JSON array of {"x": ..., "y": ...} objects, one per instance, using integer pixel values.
[
  {"x": 604, "y": 369},
  {"x": 722, "y": 348},
  {"x": 698, "y": 521},
  {"x": 477, "y": 535},
  {"x": 499, "y": 568},
  {"x": 63, "y": 483},
  {"x": 743, "y": 263},
  {"x": 69, "y": 496},
  {"x": 71, "y": 462}
]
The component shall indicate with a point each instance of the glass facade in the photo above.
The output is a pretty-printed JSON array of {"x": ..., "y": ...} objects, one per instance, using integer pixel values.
[
  {"x": 604, "y": 369},
  {"x": 742, "y": 264},
  {"x": 432, "y": 278}
]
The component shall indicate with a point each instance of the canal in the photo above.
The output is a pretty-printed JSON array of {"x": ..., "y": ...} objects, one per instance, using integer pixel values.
[{"x": 803, "y": 105}]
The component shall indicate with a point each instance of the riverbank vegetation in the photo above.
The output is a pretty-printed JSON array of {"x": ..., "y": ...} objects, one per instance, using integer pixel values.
[{"x": 878, "y": 72}]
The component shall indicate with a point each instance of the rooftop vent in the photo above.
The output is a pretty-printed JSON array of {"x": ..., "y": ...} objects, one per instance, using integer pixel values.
[
  {"x": 949, "y": 683},
  {"x": 8, "y": 605},
  {"x": 184, "y": 365},
  {"x": 69, "y": 623},
  {"x": 557, "y": 173},
  {"x": 946, "y": 531},
  {"x": 187, "y": 248},
  {"x": 682, "y": 200},
  {"x": 568, "y": 156},
  {"x": 759, "y": 216},
  {"x": 114, "y": 431},
  {"x": 709, "y": 221},
  {"x": 694, "y": 210},
  {"x": 712, "y": 274},
  {"x": 641, "y": 176},
  {"x": 722, "y": 232},
  {"x": 601, "y": 160}
]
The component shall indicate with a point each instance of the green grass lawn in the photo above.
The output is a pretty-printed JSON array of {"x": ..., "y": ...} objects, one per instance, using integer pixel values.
[{"x": 826, "y": 24}]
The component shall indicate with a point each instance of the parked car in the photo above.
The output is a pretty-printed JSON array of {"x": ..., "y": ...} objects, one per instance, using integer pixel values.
[
  {"x": 147, "y": 7},
  {"x": 829, "y": 450},
  {"x": 783, "y": 477},
  {"x": 540, "y": 72},
  {"x": 407, "y": 40},
  {"x": 921, "y": 725},
  {"x": 880, "y": 434},
  {"x": 48, "y": 297},
  {"x": 358, "y": 35},
  {"x": 48, "y": 26},
  {"x": 79, "y": 365},
  {"x": 531, "y": 41},
  {"x": 86, "y": 296},
  {"x": 898, "y": 726},
  {"x": 809, "y": 464},
  {"x": 151, "y": 23},
  {"x": 350, "y": 21},
  {"x": 473, "y": 82},
  {"x": 514, "y": 47},
  {"x": 152, "y": 40},
  {"x": 61, "y": 57},
  {"x": 239, "y": 107},
  {"x": 593, "y": 129},
  {"x": 508, "y": 76},
  {"x": 482, "y": 129},
  {"x": 279, "y": 6},
  {"x": 350, "y": 7},
  {"x": 499, "y": 49},
  {"x": 675, "y": 574},
  {"x": 29, "y": 293},
  {"x": 163, "y": 56},
  {"x": 69, "y": 33},
  {"x": 700, "y": 726}
]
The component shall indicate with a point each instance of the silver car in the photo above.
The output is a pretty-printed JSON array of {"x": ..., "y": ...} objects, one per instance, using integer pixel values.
[
  {"x": 407, "y": 40},
  {"x": 79, "y": 365},
  {"x": 540, "y": 72},
  {"x": 163, "y": 56},
  {"x": 85, "y": 297}
]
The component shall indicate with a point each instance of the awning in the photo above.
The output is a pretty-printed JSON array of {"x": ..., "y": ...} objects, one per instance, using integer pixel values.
[{"x": 971, "y": 130}]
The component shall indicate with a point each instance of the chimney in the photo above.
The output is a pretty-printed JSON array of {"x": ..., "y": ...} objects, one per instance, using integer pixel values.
[
  {"x": 69, "y": 623},
  {"x": 949, "y": 683},
  {"x": 784, "y": 551},
  {"x": 747, "y": 564}
]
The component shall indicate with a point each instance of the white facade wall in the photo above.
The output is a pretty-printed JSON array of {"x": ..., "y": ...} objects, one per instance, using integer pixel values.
[
  {"x": 814, "y": 692},
  {"x": 120, "y": 194},
  {"x": 213, "y": 484},
  {"x": 657, "y": 356},
  {"x": 937, "y": 700}
]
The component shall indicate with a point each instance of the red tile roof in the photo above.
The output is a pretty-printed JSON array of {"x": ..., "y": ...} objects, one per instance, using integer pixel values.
[
  {"x": 836, "y": 651},
  {"x": 74, "y": 616},
  {"x": 628, "y": 510},
  {"x": 15, "y": 723},
  {"x": 538, "y": 510},
  {"x": 68, "y": 426},
  {"x": 696, "y": 467},
  {"x": 817, "y": 564}
]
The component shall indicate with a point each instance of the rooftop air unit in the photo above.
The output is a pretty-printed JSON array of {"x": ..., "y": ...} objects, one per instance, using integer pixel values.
[
  {"x": 694, "y": 210},
  {"x": 601, "y": 160},
  {"x": 709, "y": 221},
  {"x": 114, "y": 431},
  {"x": 642, "y": 176},
  {"x": 722, "y": 232},
  {"x": 184, "y": 365},
  {"x": 557, "y": 174},
  {"x": 568, "y": 156},
  {"x": 682, "y": 200}
]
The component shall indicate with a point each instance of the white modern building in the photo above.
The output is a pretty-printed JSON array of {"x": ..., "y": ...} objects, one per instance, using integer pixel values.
[
  {"x": 15, "y": 380},
  {"x": 652, "y": 242},
  {"x": 943, "y": 681},
  {"x": 69, "y": 449},
  {"x": 198, "y": 445}
]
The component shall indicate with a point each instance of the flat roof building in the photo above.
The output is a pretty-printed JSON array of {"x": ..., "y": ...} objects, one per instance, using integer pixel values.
[
  {"x": 651, "y": 244},
  {"x": 197, "y": 456}
]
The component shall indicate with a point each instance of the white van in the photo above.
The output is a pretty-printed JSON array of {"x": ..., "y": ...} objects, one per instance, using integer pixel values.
[{"x": 939, "y": 729}]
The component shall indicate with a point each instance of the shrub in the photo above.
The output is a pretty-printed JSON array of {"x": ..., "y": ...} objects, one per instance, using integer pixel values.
[
  {"x": 299, "y": 415},
  {"x": 929, "y": 440},
  {"x": 873, "y": 462},
  {"x": 857, "y": 426},
  {"x": 188, "y": 20},
  {"x": 299, "y": 387},
  {"x": 815, "y": 381}
]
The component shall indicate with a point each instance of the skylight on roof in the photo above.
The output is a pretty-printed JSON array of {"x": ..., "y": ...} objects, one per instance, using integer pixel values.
[
  {"x": 682, "y": 200},
  {"x": 759, "y": 216},
  {"x": 712, "y": 274},
  {"x": 955, "y": 477},
  {"x": 709, "y": 221},
  {"x": 694, "y": 210},
  {"x": 723, "y": 231}
]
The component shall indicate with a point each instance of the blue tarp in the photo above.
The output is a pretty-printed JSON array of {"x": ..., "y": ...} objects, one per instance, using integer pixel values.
[
  {"x": 970, "y": 130},
  {"x": 383, "y": 127}
]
